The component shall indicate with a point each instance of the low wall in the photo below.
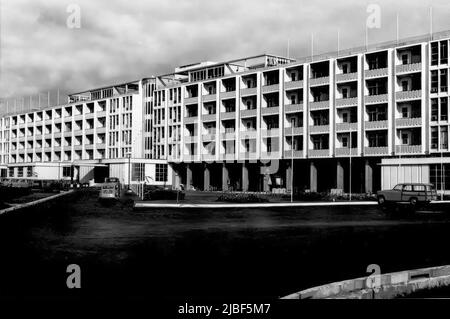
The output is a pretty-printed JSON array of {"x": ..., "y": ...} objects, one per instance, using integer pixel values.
[{"x": 386, "y": 286}]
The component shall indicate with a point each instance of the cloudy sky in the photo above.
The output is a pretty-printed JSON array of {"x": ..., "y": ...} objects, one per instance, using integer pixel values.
[{"x": 127, "y": 40}]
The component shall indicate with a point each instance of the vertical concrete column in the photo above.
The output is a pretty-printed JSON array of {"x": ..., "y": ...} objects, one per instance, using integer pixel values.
[
  {"x": 339, "y": 175},
  {"x": 206, "y": 178},
  {"x": 313, "y": 177},
  {"x": 188, "y": 176},
  {"x": 368, "y": 178},
  {"x": 244, "y": 177},
  {"x": 225, "y": 177},
  {"x": 288, "y": 178}
]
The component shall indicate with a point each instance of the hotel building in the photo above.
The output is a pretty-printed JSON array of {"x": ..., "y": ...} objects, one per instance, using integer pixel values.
[{"x": 365, "y": 118}]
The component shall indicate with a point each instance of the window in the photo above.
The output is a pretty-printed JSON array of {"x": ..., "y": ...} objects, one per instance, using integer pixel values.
[
  {"x": 405, "y": 138},
  {"x": 434, "y": 53},
  {"x": 345, "y": 93},
  {"x": 345, "y": 117},
  {"x": 67, "y": 171},
  {"x": 293, "y": 99},
  {"x": 444, "y": 81},
  {"x": 345, "y": 68},
  {"x": 11, "y": 171},
  {"x": 398, "y": 187},
  {"x": 138, "y": 171},
  {"x": 444, "y": 108},
  {"x": 444, "y": 52},
  {"x": 444, "y": 137},
  {"x": 419, "y": 188},
  {"x": 405, "y": 59},
  {"x": 407, "y": 188},
  {"x": 405, "y": 85},
  {"x": 440, "y": 176},
  {"x": 344, "y": 142},
  {"x": 20, "y": 171},
  {"x": 405, "y": 112},
  {"x": 161, "y": 173},
  {"x": 293, "y": 76},
  {"x": 434, "y": 110},
  {"x": 30, "y": 171},
  {"x": 434, "y": 138},
  {"x": 434, "y": 81}
]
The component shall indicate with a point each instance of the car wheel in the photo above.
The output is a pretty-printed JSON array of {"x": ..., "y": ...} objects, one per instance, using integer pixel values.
[
  {"x": 381, "y": 200},
  {"x": 413, "y": 201}
]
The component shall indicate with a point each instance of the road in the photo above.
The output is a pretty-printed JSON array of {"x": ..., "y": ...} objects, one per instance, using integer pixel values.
[{"x": 229, "y": 252}]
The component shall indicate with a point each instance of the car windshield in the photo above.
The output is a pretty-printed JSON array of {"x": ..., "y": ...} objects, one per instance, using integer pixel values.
[{"x": 398, "y": 187}]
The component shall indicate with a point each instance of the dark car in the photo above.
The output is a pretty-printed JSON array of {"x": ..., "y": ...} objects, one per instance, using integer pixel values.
[{"x": 412, "y": 193}]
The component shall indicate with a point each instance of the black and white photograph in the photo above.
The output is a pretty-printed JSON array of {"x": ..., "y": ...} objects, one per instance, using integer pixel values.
[{"x": 225, "y": 158}]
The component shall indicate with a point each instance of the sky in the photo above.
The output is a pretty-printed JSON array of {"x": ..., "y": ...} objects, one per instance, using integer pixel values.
[{"x": 127, "y": 40}]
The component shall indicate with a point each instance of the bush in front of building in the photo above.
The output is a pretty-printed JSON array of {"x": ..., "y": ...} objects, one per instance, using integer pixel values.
[
  {"x": 8, "y": 193},
  {"x": 241, "y": 198},
  {"x": 160, "y": 193}
]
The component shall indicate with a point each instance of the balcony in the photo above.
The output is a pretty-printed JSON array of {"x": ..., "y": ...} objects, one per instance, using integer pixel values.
[
  {"x": 375, "y": 99},
  {"x": 376, "y": 73},
  {"x": 78, "y": 117},
  {"x": 270, "y": 155},
  {"x": 351, "y": 101},
  {"x": 68, "y": 134},
  {"x": 228, "y": 115},
  {"x": 346, "y": 151},
  {"x": 247, "y": 155},
  {"x": 89, "y": 146},
  {"x": 270, "y": 88},
  {"x": 320, "y": 105},
  {"x": 100, "y": 145},
  {"x": 209, "y": 117},
  {"x": 228, "y": 95},
  {"x": 319, "y": 129},
  {"x": 270, "y": 133},
  {"x": 289, "y": 131},
  {"x": 208, "y": 137},
  {"x": 190, "y": 119},
  {"x": 90, "y": 115},
  {"x": 345, "y": 127},
  {"x": 101, "y": 114},
  {"x": 291, "y": 85},
  {"x": 319, "y": 153},
  {"x": 248, "y": 134},
  {"x": 270, "y": 110},
  {"x": 409, "y": 95},
  {"x": 408, "y": 68},
  {"x": 408, "y": 122},
  {"x": 89, "y": 131},
  {"x": 293, "y": 108},
  {"x": 209, "y": 98},
  {"x": 248, "y": 113},
  {"x": 319, "y": 81},
  {"x": 408, "y": 149},
  {"x": 57, "y": 135},
  {"x": 191, "y": 100},
  {"x": 379, "y": 150},
  {"x": 78, "y": 147},
  {"x": 376, "y": 125},
  {"x": 101, "y": 129},
  {"x": 248, "y": 92},
  {"x": 189, "y": 157},
  {"x": 346, "y": 77},
  {"x": 289, "y": 153}
]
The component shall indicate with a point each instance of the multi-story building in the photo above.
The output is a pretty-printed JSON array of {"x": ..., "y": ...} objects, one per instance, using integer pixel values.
[{"x": 364, "y": 118}]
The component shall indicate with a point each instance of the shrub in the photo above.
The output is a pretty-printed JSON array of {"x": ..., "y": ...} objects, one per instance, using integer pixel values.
[{"x": 241, "y": 198}]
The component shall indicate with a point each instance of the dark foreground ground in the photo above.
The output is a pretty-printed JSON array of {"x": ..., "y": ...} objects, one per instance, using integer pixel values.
[{"x": 209, "y": 253}]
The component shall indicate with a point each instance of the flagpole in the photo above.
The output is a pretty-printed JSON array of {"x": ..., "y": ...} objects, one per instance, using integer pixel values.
[
  {"x": 338, "y": 38},
  {"x": 431, "y": 23},
  {"x": 397, "y": 29},
  {"x": 312, "y": 46}
]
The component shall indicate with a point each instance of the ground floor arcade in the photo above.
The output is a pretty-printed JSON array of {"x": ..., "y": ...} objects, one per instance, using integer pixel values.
[{"x": 318, "y": 175}]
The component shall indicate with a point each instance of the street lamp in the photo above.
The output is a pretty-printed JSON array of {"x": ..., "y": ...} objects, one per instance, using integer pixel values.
[
  {"x": 292, "y": 159},
  {"x": 129, "y": 172}
]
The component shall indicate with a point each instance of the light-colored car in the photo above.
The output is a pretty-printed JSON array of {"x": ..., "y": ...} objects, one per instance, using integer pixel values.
[{"x": 412, "y": 193}]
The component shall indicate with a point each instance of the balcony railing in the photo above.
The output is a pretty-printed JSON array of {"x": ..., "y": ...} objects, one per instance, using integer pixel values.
[
  {"x": 248, "y": 134},
  {"x": 346, "y": 151},
  {"x": 209, "y": 137},
  {"x": 408, "y": 95},
  {"x": 248, "y": 92},
  {"x": 228, "y": 136},
  {"x": 270, "y": 88},
  {"x": 375, "y": 125},
  {"x": 270, "y": 110},
  {"x": 270, "y": 133},
  {"x": 408, "y": 68},
  {"x": 228, "y": 115},
  {"x": 379, "y": 150},
  {"x": 228, "y": 95},
  {"x": 248, "y": 113},
  {"x": 320, "y": 105},
  {"x": 293, "y": 108},
  {"x": 190, "y": 119},
  {"x": 344, "y": 77},
  {"x": 293, "y": 85},
  {"x": 380, "y": 98},
  {"x": 288, "y": 131},
  {"x": 208, "y": 157},
  {"x": 189, "y": 157},
  {"x": 319, "y": 81},
  {"x": 376, "y": 73},
  {"x": 191, "y": 100},
  {"x": 408, "y": 122},
  {"x": 319, "y": 153},
  {"x": 209, "y": 117},
  {"x": 344, "y": 127},
  {"x": 227, "y": 156},
  {"x": 289, "y": 153},
  {"x": 190, "y": 139},
  {"x": 270, "y": 155},
  {"x": 319, "y": 128},
  {"x": 209, "y": 97},
  {"x": 350, "y": 101},
  {"x": 247, "y": 155},
  {"x": 408, "y": 149}
]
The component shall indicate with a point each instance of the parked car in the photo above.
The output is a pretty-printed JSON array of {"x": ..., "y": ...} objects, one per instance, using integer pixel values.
[
  {"x": 408, "y": 192},
  {"x": 110, "y": 189}
]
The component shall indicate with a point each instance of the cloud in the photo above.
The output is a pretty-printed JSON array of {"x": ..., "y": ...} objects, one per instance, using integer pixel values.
[{"x": 128, "y": 40}]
